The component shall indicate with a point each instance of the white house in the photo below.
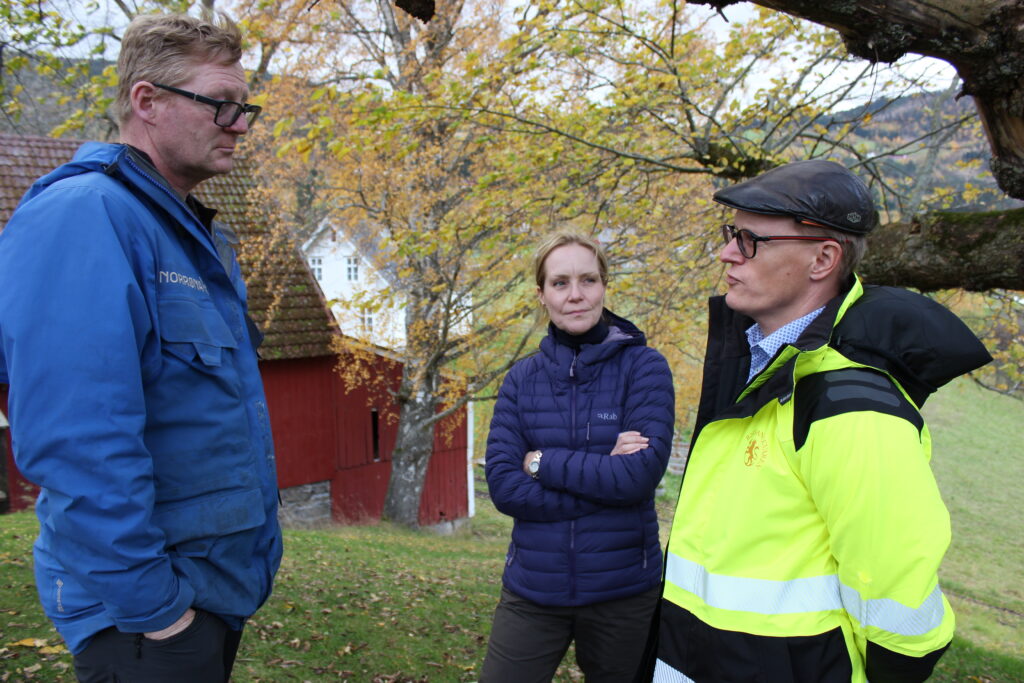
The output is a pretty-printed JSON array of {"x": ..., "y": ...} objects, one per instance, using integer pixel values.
[
  {"x": 345, "y": 270},
  {"x": 349, "y": 272}
]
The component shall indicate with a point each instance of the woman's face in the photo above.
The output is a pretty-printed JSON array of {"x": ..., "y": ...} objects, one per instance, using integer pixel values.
[{"x": 573, "y": 292}]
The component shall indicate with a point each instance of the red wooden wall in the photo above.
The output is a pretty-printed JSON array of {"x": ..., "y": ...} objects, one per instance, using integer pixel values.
[
  {"x": 21, "y": 492},
  {"x": 323, "y": 433}
]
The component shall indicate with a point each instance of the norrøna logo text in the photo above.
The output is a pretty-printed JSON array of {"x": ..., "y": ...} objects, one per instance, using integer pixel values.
[{"x": 179, "y": 279}]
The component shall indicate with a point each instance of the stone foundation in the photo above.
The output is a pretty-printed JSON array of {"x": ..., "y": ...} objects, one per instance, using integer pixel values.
[{"x": 305, "y": 507}]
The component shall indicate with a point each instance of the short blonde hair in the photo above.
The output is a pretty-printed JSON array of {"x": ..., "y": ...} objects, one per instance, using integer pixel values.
[
  {"x": 162, "y": 48},
  {"x": 560, "y": 239}
]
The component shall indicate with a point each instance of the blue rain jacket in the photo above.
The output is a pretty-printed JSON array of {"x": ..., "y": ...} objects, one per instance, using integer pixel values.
[
  {"x": 135, "y": 402},
  {"x": 585, "y": 530}
]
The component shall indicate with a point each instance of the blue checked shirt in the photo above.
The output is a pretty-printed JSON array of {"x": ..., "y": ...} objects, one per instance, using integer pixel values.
[{"x": 762, "y": 348}]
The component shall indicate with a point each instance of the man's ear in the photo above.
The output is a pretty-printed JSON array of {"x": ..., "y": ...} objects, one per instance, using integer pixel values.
[
  {"x": 144, "y": 100},
  {"x": 827, "y": 260}
]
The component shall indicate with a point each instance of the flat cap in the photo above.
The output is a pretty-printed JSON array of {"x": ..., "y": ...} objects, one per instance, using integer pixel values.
[{"x": 815, "y": 192}]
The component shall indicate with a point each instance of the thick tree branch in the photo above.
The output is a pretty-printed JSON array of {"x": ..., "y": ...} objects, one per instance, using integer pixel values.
[{"x": 973, "y": 251}]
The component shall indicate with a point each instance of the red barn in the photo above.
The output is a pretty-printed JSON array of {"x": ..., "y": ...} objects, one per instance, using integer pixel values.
[{"x": 333, "y": 444}]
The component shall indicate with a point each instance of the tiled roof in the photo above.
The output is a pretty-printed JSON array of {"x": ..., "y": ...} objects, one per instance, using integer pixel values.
[{"x": 284, "y": 299}]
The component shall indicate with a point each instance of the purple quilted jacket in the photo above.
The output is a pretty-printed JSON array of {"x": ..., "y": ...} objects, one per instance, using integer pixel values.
[{"x": 585, "y": 530}]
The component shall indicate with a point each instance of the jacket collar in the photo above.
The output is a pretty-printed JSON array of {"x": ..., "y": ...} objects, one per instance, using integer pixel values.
[
  {"x": 565, "y": 362},
  {"x": 134, "y": 170},
  {"x": 917, "y": 341}
]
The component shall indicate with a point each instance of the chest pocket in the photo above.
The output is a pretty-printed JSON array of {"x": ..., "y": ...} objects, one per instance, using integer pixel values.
[{"x": 192, "y": 330}]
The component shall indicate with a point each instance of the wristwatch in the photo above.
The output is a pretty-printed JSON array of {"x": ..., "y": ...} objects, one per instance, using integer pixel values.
[{"x": 534, "y": 467}]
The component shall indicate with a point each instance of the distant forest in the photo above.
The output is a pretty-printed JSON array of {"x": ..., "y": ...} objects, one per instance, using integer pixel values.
[{"x": 938, "y": 178}]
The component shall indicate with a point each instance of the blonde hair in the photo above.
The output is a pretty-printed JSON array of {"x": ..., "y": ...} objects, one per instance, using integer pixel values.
[
  {"x": 163, "y": 48},
  {"x": 560, "y": 239}
]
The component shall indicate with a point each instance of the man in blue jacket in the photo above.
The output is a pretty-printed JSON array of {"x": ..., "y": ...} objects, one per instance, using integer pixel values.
[{"x": 135, "y": 399}]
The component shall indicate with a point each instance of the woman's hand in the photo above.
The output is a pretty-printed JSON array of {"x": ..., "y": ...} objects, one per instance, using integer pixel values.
[
  {"x": 529, "y": 458},
  {"x": 629, "y": 442}
]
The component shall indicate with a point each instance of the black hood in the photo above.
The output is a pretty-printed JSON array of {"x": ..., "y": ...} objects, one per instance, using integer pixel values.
[{"x": 916, "y": 340}]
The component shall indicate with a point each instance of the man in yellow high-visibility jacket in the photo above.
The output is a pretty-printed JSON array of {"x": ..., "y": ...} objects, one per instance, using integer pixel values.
[{"x": 809, "y": 529}]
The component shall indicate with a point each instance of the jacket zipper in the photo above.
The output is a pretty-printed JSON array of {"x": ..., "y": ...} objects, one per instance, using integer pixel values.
[
  {"x": 572, "y": 434},
  {"x": 572, "y": 561},
  {"x": 175, "y": 197},
  {"x": 213, "y": 244},
  {"x": 643, "y": 542}
]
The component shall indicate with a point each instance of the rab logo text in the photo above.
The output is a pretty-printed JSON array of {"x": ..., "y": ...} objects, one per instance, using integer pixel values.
[{"x": 756, "y": 451}]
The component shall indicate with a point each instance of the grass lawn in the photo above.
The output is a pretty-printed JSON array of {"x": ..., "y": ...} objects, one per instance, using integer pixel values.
[
  {"x": 379, "y": 604},
  {"x": 976, "y": 437}
]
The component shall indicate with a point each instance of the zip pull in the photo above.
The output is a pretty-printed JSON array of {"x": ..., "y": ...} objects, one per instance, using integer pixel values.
[
  {"x": 572, "y": 368},
  {"x": 588, "y": 432}
]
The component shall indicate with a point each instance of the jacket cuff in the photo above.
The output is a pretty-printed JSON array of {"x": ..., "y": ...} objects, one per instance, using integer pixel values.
[
  {"x": 886, "y": 666},
  {"x": 163, "y": 617}
]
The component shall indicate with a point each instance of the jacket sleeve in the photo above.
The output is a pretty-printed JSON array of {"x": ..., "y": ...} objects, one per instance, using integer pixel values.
[
  {"x": 75, "y": 323},
  {"x": 623, "y": 479},
  {"x": 514, "y": 492},
  {"x": 866, "y": 465}
]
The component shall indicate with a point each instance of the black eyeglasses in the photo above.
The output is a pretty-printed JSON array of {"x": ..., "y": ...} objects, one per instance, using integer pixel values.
[
  {"x": 747, "y": 240},
  {"x": 227, "y": 111}
]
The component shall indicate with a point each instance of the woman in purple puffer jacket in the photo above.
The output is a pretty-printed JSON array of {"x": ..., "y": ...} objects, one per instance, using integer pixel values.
[{"x": 579, "y": 441}]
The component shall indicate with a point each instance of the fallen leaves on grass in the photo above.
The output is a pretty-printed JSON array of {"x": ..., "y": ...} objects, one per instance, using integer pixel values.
[{"x": 42, "y": 646}]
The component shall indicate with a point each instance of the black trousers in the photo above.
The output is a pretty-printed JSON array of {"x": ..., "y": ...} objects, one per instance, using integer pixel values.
[
  {"x": 529, "y": 640},
  {"x": 202, "y": 653}
]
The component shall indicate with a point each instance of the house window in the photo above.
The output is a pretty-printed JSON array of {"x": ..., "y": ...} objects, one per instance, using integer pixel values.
[
  {"x": 368, "y": 321},
  {"x": 317, "y": 264},
  {"x": 352, "y": 268},
  {"x": 375, "y": 434}
]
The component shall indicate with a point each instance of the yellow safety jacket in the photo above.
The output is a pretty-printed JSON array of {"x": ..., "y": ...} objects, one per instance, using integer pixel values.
[{"x": 809, "y": 528}]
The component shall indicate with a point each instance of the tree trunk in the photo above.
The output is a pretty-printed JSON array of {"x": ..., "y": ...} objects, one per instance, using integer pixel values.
[
  {"x": 980, "y": 38},
  {"x": 973, "y": 251},
  {"x": 413, "y": 447}
]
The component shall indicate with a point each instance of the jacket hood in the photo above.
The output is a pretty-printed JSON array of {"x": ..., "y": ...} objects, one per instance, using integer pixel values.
[
  {"x": 619, "y": 329},
  {"x": 621, "y": 332},
  {"x": 134, "y": 168},
  {"x": 104, "y": 157},
  {"x": 90, "y": 157},
  {"x": 919, "y": 342}
]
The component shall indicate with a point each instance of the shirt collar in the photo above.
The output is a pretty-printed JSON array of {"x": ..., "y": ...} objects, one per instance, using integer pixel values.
[{"x": 763, "y": 348}]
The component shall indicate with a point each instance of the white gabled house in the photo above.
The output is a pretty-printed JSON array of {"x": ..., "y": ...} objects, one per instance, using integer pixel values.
[{"x": 350, "y": 280}]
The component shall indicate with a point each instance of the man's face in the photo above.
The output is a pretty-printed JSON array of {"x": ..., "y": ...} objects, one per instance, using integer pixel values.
[
  {"x": 774, "y": 287},
  {"x": 188, "y": 145}
]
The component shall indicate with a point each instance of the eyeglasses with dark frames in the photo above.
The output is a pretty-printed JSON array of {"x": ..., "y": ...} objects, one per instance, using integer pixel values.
[
  {"x": 227, "y": 111},
  {"x": 747, "y": 240}
]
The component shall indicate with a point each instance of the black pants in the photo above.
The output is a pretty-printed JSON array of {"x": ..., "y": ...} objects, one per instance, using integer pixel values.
[
  {"x": 202, "y": 653},
  {"x": 529, "y": 640}
]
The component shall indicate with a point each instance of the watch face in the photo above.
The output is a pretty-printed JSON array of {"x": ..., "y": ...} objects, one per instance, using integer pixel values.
[{"x": 534, "y": 466}]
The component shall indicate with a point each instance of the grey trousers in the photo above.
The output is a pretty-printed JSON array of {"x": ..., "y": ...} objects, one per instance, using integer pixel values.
[
  {"x": 202, "y": 653},
  {"x": 528, "y": 641}
]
